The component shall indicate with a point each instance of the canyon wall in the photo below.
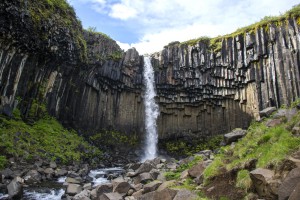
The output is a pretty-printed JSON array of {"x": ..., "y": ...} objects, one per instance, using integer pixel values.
[{"x": 86, "y": 81}]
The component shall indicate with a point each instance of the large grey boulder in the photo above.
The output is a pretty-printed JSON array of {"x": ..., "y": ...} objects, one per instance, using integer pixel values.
[
  {"x": 33, "y": 176},
  {"x": 99, "y": 190},
  {"x": 197, "y": 170},
  {"x": 166, "y": 194},
  {"x": 7, "y": 173},
  {"x": 111, "y": 196},
  {"x": 76, "y": 180},
  {"x": 15, "y": 188},
  {"x": 83, "y": 195},
  {"x": 263, "y": 182},
  {"x": 121, "y": 187},
  {"x": 143, "y": 178},
  {"x": 295, "y": 195},
  {"x": 73, "y": 189},
  {"x": 152, "y": 186},
  {"x": 289, "y": 184},
  {"x": 145, "y": 167},
  {"x": 234, "y": 136},
  {"x": 61, "y": 172},
  {"x": 185, "y": 195},
  {"x": 267, "y": 111},
  {"x": 53, "y": 164}
]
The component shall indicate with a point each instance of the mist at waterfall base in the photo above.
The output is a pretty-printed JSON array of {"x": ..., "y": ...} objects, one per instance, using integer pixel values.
[{"x": 151, "y": 111}]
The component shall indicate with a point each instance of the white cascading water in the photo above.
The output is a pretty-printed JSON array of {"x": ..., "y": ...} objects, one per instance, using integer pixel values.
[{"x": 151, "y": 111}]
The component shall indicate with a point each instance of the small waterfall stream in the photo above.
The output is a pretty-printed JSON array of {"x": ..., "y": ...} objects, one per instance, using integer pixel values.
[{"x": 151, "y": 111}]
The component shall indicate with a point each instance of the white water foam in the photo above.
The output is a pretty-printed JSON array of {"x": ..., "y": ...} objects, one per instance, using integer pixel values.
[
  {"x": 51, "y": 195},
  {"x": 61, "y": 179},
  {"x": 98, "y": 175},
  {"x": 151, "y": 111}
]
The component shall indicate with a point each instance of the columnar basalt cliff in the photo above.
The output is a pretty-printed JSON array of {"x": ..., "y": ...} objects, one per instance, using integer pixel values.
[
  {"x": 90, "y": 84},
  {"x": 205, "y": 92}
]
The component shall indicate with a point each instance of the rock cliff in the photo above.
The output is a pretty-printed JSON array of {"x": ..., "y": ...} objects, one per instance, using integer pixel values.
[{"x": 90, "y": 84}]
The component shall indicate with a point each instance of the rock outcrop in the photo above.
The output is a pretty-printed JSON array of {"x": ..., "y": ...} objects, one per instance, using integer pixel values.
[{"x": 90, "y": 84}]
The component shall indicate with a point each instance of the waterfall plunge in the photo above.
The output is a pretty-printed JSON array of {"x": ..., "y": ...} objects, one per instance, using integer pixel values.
[{"x": 151, "y": 111}]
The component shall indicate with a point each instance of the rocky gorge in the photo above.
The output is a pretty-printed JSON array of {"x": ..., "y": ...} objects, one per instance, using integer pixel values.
[{"x": 51, "y": 67}]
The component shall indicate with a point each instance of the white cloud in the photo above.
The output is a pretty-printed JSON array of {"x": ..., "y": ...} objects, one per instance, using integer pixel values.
[
  {"x": 123, "y": 12},
  {"x": 159, "y": 22}
]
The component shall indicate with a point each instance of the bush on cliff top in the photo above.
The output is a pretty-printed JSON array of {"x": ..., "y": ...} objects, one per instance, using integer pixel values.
[{"x": 46, "y": 139}]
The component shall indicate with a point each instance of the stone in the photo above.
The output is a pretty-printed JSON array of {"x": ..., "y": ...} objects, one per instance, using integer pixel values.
[
  {"x": 184, "y": 174},
  {"x": 150, "y": 187},
  {"x": 138, "y": 193},
  {"x": 154, "y": 173},
  {"x": 274, "y": 122},
  {"x": 76, "y": 180},
  {"x": 15, "y": 188},
  {"x": 73, "y": 189},
  {"x": 289, "y": 184},
  {"x": 261, "y": 179},
  {"x": 61, "y": 172},
  {"x": 49, "y": 171},
  {"x": 185, "y": 195},
  {"x": 53, "y": 165},
  {"x": 197, "y": 170},
  {"x": 83, "y": 195},
  {"x": 166, "y": 194},
  {"x": 172, "y": 166},
  {"x": 99, "y": 190},
  {"x": 267, "y": 111},
  {"x": 33, "y": 176},
  {"x": 145, "y": 167},
  {"x": 130, "y": 192},
  {"x": 234, "y": 136},
  {"x": 7, "y": 173},
  {"x": 121, "y": 187},
  {"x": 165, "y": 185},
  {"x": 87, "y": 186},
  {"x": 295, "y": 195},
  {"x": 143, "y": 178},
  {"x": 111, "y": 196}
]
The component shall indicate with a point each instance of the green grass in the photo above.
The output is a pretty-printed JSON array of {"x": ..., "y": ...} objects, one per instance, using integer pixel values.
[
  {"x": 269, "y": 146},
  {"x": 174, "y": 175},
  {"x": 243, "y": 180},
  {"x": 46, "y": 139}
]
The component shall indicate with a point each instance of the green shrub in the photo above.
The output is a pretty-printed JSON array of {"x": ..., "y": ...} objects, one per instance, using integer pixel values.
[
  {"x": 3, "y": 162},
  {"x": 243, "y": 180}
]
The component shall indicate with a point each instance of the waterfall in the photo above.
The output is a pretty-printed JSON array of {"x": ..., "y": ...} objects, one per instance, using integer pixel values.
[{"x": 151, "y": 111}]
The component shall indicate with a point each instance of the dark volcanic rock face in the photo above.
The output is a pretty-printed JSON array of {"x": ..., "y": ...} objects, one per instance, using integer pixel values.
[{"x": 90, "y": 84}]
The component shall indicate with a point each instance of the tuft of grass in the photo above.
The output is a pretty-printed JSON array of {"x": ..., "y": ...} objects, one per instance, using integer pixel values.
[
  {"x": 3, "y": 162},
  {"x": 174, "y": 175},
  {"x": 243, "y": 180}
]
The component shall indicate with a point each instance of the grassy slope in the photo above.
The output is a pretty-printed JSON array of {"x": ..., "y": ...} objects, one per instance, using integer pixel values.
[{"x": 45, "y": 138}]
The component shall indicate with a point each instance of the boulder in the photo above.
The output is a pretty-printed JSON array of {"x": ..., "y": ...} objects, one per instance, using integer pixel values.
[
  {"x": 184, "y": 174},
  {"x": 33, "y": 176},
  {"x": 166, "y": 194},
  {"x": 267, "y": 111},
  {"x": 73, "y": 189},
  {"x": 263, "y": 180},
  {"x": 99, "y": 190},
  {"x": 49, "y": 171},
  {"x": 295, "y": 193},
  {"x": 145, "y": 167},
  {"x": 234, "y": 136},
  {"x": 15, "y": 188},
  {"x": 76, "y": 180},
  {"x": 172, "y": 166},
  {"x": 289, "y": 184},
  {"x": 274, "y": 122},
  {"x": 197, "y": 170},
  {"x": 150, "y": 187},
  {"x": 165, "y": 185},
  {"x": 111, "y": 196},
  {"x": 87, "y": 186},
  {"x": 83, "y": 195},
  {"x": 53, "y": 164},
  {"x": 121, "y": 187},
  {"x": 7, "y": 173},
  {"x": 185, "y": 195},
  {"x": 61, "y": 172},
  {"x": 138, "y": 193},
  {"x": 143, "y": 178}
]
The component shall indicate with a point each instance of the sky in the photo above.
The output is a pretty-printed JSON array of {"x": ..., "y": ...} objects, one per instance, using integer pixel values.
[{"x": 149, "y": 25}]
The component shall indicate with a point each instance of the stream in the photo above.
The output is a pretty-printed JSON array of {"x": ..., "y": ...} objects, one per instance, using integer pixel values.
[{"x": 54, "y": 190}]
